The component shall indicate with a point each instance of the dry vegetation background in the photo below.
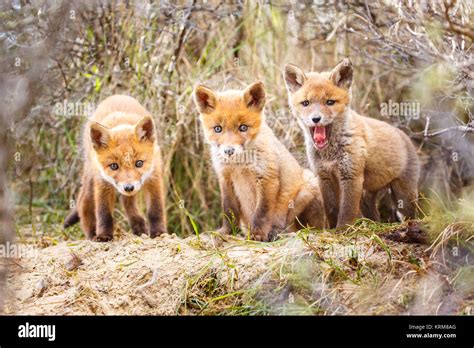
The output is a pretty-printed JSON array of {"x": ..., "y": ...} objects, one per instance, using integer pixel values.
[{"x": 83, "y": 51}]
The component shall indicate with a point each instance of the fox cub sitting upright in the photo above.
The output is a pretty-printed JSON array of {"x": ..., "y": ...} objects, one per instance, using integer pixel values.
[
  {"x": 351, "y": 153},
  {"x": 263, "y": 187},
  {"x": 121, "y": 155}
]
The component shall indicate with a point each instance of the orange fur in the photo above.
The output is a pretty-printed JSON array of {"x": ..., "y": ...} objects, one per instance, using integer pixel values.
[
  {"x": 263, "y": 187},
  {"x": 354, "y": 155},
  {"x": 121, "y": 155}
]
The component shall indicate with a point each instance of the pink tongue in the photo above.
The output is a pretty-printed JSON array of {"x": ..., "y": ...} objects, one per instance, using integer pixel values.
[{"x": 319, "y": 135}]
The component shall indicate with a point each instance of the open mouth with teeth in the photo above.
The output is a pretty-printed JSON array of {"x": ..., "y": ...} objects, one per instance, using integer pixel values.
[{"x": 321, "y": 136}]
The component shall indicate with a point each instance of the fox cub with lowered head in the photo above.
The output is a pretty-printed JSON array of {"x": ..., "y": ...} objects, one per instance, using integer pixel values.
[
  {"x": 121, "y": 155},
  {"x": 263, "y": 188},
  {"x": 356, "y": 157}
]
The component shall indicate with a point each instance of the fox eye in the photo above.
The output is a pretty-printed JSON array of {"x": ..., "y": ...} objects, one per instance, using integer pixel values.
[
  {"x": 305, "y": 103},
  {"x": 218, "y": 129},
  {"x": 114, "y": 166},
  {"x": 139, "y": 164},
  {"x": 243, "y": 127},
  {"x": 330, "y": 102}
]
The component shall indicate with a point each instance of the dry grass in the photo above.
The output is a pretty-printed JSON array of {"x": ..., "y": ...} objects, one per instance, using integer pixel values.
[
  {"x": 159, "y": 52},
  {"x": 82, "y": 52}
]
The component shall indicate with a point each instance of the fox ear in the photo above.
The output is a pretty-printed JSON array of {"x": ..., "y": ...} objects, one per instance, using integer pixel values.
[
  {"x": 254, "y": 96},
  {"x": 205, "y": 99},
  {"x": 294, "y": 77},
  {"x": 341, "y": 75},
  {"x": 99, "y": 135},
  {"x": 145, "y": 129}
]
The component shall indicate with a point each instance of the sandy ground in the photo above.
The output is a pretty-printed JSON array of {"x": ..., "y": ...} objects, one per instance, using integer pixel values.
[
  {"x": 315, "y": 274},
  {"x": 134, "y": 275}
]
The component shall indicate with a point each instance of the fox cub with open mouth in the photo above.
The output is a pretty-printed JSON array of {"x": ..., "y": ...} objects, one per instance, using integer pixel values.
[
  {"x": 354, "y": 156},
  {"x": 121, "y": 155},
  {"x": 263, "y": 188}
]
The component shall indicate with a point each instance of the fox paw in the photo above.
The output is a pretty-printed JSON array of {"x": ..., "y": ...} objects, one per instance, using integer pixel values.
[
  {"x": 155, "y": 232},
  {"x": 272, "y": 235},
  {"x": 138, "y": 227},
  {"x": 224, "y": 230},
  {"x": 103, "y": 238},
  {"x": 264, "y": 236}
]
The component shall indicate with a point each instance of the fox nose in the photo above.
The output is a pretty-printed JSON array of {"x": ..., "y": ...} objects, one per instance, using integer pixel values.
[
  {"x": 229, "y": 151},
  {"x": 129, "y": 187},
  {"x": 316, "y": 119}
]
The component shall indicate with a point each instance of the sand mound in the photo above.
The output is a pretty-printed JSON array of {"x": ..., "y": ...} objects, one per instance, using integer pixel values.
[
  {"x": 304, "y": 273},
  {"x": 133, "y": 275}
]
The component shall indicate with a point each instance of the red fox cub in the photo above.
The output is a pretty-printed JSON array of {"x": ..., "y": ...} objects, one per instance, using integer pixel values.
[
  {"x": 350, "y": 152},
  {"x": 121, "y": 155},
  {"x": 263, "y": 188}
]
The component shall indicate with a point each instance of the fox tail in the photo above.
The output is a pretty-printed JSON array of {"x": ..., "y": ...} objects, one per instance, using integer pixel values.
[{"x": 71, "y": 219}]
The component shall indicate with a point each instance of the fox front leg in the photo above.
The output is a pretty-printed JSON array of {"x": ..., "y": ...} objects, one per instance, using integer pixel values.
[
  {"x": 330, "y": 199},
  {"x": 104, "y": 197},
  {"x": 267, "y": 193},
  {"x": 155, "y": 207},
  {"x": 350, "y": 198},
  {"x": 230, "y": 207},
  {"x": 137, "y": 222}
]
